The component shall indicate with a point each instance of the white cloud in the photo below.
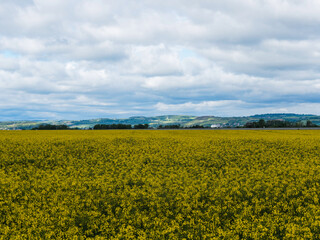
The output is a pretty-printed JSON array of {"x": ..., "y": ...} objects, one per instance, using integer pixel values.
[
  {"x": 119, "y": 58},
  {"x": 154, "y": 61}
]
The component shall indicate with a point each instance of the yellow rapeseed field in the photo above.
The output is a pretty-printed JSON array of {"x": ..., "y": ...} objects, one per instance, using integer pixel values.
[{"x": 154, "y": 184}]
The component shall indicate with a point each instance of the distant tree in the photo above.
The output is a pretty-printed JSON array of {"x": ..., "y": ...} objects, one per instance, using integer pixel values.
[
  {"x": 174, "y": 126},
  {"x": 250, "y": 125},
  {"x": 278, "y": 124},
  {"x": 196, "y": 126},
  {"x": 169, "y": 126},
  {"x": 112, "y": 126},
  {"x": 298, "y": 124},
  {"x": 261, "y": 123},
  {"x": 51, "y": 127},
  {"x": 311, "y": 124},
  {"x": 141, "y": 126}
]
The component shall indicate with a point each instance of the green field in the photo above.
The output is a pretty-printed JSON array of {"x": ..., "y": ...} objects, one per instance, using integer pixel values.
[{"x": 178, "y": 184}]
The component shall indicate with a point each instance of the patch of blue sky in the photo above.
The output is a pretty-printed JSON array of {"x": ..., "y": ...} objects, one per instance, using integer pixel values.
[
  {"x": 9, "y": 54},
  {"x": 187, "y": 53}
]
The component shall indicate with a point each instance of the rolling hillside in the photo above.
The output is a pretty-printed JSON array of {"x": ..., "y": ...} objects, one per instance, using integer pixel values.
[{"x": 164, "y": 120}]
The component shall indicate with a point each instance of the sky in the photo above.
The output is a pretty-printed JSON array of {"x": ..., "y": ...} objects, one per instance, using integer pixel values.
[{"x": 83, "y": 59}]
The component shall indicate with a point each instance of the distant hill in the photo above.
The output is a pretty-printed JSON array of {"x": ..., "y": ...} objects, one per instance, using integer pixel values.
[{"x": 166, "y": 120}]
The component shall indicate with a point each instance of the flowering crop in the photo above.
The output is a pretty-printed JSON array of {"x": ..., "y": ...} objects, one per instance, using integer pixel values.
[{"x": 170, "y": 184}]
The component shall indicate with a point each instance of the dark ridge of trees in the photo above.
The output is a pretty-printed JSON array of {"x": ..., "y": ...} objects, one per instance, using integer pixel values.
[
  {"x": 51, "y": 127},
  {"x": 141, "y": 126},
  {"x": 196, "y": 126},
  {"x": 177, "y": 126},
  {"x": 120, "y": 126},
  {"x": 112, "y": 126},
  {"x": 278, "y": 124},
  {"x": 311, "y": 124}
]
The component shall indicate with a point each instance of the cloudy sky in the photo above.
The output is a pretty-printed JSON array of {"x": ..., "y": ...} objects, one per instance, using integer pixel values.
[{"x": 80, "y": 59}]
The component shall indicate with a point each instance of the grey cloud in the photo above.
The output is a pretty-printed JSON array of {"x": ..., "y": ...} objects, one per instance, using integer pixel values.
[{"x": 79, "y": 59}]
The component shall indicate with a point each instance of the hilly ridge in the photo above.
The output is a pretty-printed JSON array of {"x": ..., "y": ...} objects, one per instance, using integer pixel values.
[{"x": 155, "y": 121}]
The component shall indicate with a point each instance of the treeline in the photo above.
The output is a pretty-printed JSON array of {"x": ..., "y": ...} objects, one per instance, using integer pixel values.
[
  {"x": 120, "y": 126},
  {"x": 113, "y": 126},
  {"x": 278, "y": 124},
  {"x": 179, "y": 127},
  {"x": 141, "y": 126},
  {"x": 51, "y": 127},
  {"x": 258, "y": 124},
  {"x": 169, "y": 126}
]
